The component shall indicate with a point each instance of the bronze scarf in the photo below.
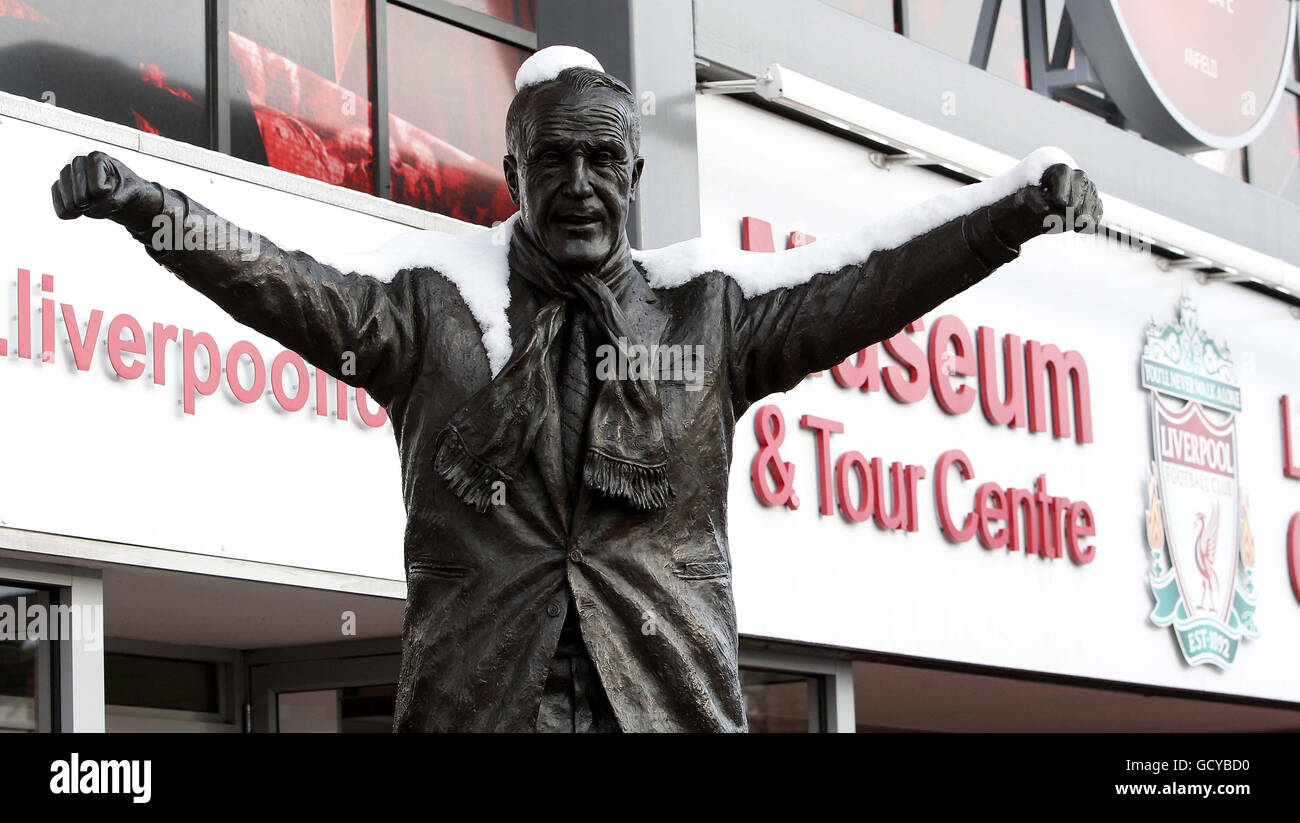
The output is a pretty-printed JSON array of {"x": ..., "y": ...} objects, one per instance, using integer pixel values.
[{"x": 489, "y": 438}]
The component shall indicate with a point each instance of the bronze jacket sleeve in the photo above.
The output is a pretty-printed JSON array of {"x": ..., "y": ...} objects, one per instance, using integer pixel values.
[
  {"x": 358, "y": 328},
  {"x": 781, "y": 336}
]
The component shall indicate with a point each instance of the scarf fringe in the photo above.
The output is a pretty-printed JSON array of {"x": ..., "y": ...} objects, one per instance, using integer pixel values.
[
  {"x": 470, "y": 479},
  {"x": 645, "y": 487}
]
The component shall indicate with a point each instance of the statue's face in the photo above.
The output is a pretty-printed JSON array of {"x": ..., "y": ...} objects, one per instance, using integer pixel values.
[{"x": 576, "y": 174}]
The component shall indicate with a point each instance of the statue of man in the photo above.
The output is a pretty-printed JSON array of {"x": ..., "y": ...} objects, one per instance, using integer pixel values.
[{"x": 566, "y": 547}]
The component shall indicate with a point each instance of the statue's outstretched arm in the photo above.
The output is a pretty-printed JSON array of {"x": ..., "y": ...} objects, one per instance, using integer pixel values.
[
  {"x": 782, "y": 335},
  {"x": 357, "y": 328}
]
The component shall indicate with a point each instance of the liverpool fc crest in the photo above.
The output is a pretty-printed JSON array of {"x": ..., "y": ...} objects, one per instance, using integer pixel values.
[{"x": 1198, "y": 530}]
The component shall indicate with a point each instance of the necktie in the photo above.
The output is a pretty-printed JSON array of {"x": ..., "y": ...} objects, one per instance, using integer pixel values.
[{"x": 575, "y": 397}]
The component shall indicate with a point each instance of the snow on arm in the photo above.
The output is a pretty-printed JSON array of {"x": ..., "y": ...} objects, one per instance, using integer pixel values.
[
  {"x": 760, "y": 272},
  {"x": 478, "y": 265}
]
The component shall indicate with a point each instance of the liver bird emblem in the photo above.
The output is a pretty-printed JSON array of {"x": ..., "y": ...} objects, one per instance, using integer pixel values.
[{"x": 1207, "y": 539}]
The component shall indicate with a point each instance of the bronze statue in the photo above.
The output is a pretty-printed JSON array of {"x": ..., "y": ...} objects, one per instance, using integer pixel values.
[{"x": 566, "y": 546}]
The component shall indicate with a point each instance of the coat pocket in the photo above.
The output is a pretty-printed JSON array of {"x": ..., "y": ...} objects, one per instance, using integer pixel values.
[
  {"x": 446, "y": 571},
  {"x": 702, "y": 570}
]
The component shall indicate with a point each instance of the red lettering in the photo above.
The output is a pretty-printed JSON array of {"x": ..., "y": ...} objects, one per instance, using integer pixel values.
[
  {"x": 1021, "y": 519},
  {"x": 25, "y": 314},
  {"x": 756, "y": 235},
  {"x": 83, "y": 346},
  {"x": 999, "y": 412},
  {"x": 341, "y": 399},
  {"x": 1289, "y": 467},
  {"x": 245, "y": 394},
  {"x": 372, "y": 419},
  {"x": 1293, "y": 553},
  {"x": 1050, "y": 510},
  {"x": 117, "y": 346},
  {"x": 1079, "y": 523},
  {"x": 863, "y": 374},
  {"x": 986, "y": 515},
  {"x": 958, "y": 458},
  {"x": 47, "y": 320},
  {"x": 161, "y": 334},
  {"x": 191, "y": 385},
  {"x": 854, "y": 462},
  {"x": 910, "y": 357},
  {"x": 322, "y": 398},
  {"x": 299, "y": 399},
  {"x": 824, "y": 428},
  {"x": 1058, "y": 366},
  {"x": 892, "y": 519},
  {"x": 914, "y": 475},
  {"x": 949, "y": 330}
]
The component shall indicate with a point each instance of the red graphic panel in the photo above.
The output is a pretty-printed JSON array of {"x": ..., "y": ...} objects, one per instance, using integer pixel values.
[{"x": 319, "y": 128}]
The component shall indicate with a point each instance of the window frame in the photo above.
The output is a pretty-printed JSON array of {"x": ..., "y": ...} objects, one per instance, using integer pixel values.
[
  {"x": 833, "y": 708},
  {"x": 218, "y": 67},
  {"x": 45, "y": 714}
]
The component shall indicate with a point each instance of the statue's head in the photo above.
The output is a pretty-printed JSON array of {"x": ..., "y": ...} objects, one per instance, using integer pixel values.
[{"x": 572, "y": 162}]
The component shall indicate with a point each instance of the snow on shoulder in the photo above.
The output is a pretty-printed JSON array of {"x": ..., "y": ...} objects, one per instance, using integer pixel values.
[
  {"x": 761, "y": 272},
  {"x": 477, "y": 264},
  {"x": 550, "y": 61}
]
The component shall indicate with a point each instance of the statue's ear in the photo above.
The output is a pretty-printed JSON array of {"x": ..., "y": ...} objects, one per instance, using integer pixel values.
[
  {"x": 637, "y": 166},
  {"x": 512, "y": 176}
]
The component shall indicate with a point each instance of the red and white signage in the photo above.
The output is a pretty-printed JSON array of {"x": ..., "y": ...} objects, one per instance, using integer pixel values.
[{"x": 975, "y": 489}]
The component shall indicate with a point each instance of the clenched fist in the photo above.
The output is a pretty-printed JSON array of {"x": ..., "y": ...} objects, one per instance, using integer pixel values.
[
  {"x": 1067, "y": 200},
  {"x": 98, "y": 185},
  {"x": 1064, "y": 199}
]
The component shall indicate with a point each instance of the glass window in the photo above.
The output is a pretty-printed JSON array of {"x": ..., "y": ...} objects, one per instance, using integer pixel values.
[
  {"x": 367, "y": 709},
  {"x": 349, "y": 710},
  {"x": 1274, "y": 157},
  {"x": 161, "y": 683},
  {"x": 522, "y": 13},
  {"x": 135, "y": 62},
  {"x": 880, "y": 12},
  {"x": 949, "y": 26},
  {"x": 448, "y": 92},
  {"x": 314, "y": 712},
  {"x": 299, "y": 88},
  {"x": 781, "y": 701},
  {"x": 26, "y": 667}
]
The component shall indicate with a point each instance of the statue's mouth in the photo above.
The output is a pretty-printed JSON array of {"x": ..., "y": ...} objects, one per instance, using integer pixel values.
[{"x": 579, "y": 220}]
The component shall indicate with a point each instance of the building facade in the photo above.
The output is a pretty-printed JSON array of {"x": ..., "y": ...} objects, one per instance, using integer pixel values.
[{"x": 1067, "y": 499}]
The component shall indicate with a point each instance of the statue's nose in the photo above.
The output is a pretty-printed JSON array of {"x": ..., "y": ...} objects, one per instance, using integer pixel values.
[{"x": 576, "y": 182}]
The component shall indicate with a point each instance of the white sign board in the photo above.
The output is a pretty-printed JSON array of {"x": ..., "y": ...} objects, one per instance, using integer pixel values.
[
  {"x": 1078, "y": 604},
  {"x": 92, "y": 453}
]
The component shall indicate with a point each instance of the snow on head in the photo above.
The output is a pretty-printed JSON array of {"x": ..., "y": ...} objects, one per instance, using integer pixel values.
[
  {"x": 761, "y": 272},
  {"x": 549, "y": 62}
]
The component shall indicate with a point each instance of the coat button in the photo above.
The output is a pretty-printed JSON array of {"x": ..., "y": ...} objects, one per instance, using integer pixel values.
[
  {"x": 575, "y": 556},
  {"x": 553, "y": 608}
]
